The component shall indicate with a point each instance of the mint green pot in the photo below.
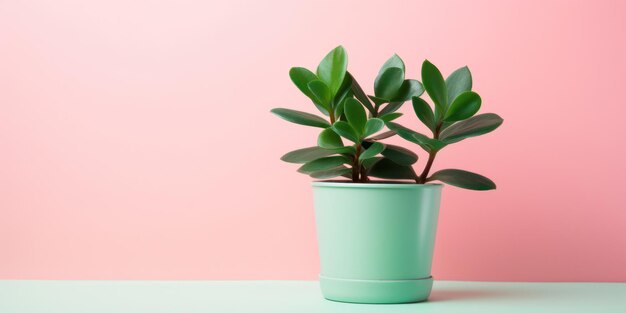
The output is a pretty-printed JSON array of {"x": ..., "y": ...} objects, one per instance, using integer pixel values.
[{"x": 376, "y": 240}]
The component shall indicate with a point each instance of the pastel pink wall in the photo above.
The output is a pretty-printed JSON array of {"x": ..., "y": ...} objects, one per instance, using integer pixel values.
[{"x": 136, "y": 140}]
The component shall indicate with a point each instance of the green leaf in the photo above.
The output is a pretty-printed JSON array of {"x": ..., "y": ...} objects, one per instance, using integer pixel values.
[
  {"x": 445, "y": 125},
  {"x": 410, "y": 88},
  {"x": 344, "y": 92},
  {"x": 471, "y": 127},
  {"x": 424, "y": 112},
  {"x": 390, "y": 117},
  {"x": 329, "y": 139},
  {"x": 330, "y": 173},
  {"x": 321, "y": 108},
  {"x": 389, "y": 84},
  {"x": 321, "y": 93},
  {"x": 372, "y": 151},
  {"x": 463, "y": 179},
  {"x": 333, "y": 68},
  {"x": 323, "y": 164},
  {"x": 400, "y": 155},
  {"x": 384, "y": 135},
  {"x": 423, "y": 141},
  {"x": 301, "y": 118},
  {"x": 346, "y": 150},
  {"x": 360, "y": 95},
  {"x": 373, "y": 126},
  {"x": 306, "y": 154},
  {"x": 346, "y": 131},
  {"x": 458, "y": 82},
  {"x": 339, "y": 108},
  {"x": 393, "y": 61},
  {"x": 333, "y": 172},
  {"x": 368, "y": 163},
  {"x": 301, "y": 77},
  {"x": 463, "y": 107},
  {"x": 389, "y": 169},
  {"x": 435, "y": 87},
  {"x": 343, "y": 117},
  {"x": 397, "y": 128},
  {"x": 390, "y": 108},
  {"x": 378, "y": 101},
  {"x": 355, "y": 113}
]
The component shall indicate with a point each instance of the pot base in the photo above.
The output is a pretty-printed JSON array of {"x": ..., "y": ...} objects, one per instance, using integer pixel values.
[{"x": 376, "y": 291}]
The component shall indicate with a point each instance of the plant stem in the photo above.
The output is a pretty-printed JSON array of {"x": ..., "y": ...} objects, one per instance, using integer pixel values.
[
  {"x": 364, "y": 178},
  {"x": 431, "y": 158},
  {"x": 376, "y": 108},
  {"x": 355, "y": 165},
  {"x": 437, "y": 130}
]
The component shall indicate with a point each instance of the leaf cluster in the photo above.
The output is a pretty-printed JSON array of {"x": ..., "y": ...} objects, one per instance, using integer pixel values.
[{"x": 350, "y": 142}]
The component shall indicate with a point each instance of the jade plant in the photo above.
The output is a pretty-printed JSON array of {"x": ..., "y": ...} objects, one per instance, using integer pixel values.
[{"x": 350, "y": 141}]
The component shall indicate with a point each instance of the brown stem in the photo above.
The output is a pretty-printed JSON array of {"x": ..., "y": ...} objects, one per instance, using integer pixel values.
[
  {"x": 376, "y": 108},
  {"x": 364, "y": 178},
  {"x": 355, "y": 165},
  {"x": 429, "y": 164},
  {"x": 437, "y": 131},
  {"x": 431, "y": 158}
]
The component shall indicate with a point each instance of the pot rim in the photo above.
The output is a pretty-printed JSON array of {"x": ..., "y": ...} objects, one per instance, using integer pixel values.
[{"x": 377, "y": 185}]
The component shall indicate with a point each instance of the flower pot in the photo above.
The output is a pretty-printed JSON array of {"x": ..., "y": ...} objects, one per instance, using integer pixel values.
[{"x": 376, "y": 240}]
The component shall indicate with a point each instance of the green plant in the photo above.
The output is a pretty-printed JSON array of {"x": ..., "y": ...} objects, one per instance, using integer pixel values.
[{"x": 357, "y": 117}]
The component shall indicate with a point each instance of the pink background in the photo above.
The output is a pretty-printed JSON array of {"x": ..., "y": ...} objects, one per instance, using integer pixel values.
[{"x": 136, "y": 140}]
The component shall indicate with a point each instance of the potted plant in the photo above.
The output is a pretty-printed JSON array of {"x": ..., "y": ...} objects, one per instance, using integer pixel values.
[{"x": 376, "y": 237}]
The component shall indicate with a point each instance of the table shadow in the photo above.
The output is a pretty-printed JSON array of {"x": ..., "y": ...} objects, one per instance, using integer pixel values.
[{"x": 449, "y": 295}]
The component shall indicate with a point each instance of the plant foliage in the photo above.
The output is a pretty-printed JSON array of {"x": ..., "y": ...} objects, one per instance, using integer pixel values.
[{"x": 353, "y": 122}]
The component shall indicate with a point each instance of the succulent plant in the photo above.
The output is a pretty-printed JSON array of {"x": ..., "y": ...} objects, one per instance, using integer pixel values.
[{"x": 357, "y": 118}]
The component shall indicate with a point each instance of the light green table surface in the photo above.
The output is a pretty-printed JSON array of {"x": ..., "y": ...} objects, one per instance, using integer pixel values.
[{"x": 298, "y": 297}]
